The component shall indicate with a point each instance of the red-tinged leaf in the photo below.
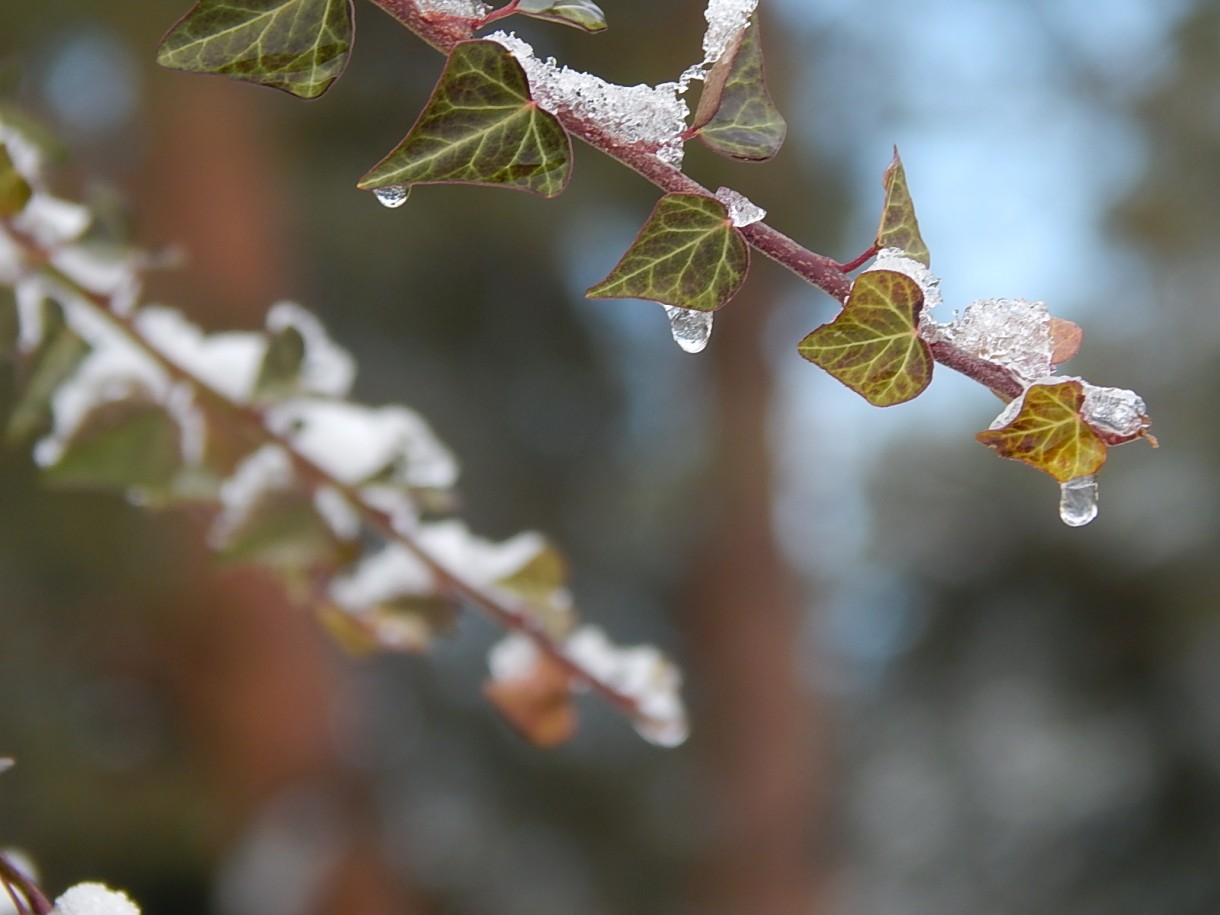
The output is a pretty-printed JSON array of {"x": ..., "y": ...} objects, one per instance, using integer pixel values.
[
  {"x": 873, "y": 346},
  {"x": 899, "y": 228},
  {"x": 299, "y": 46},
  {"x": 1049, "y": 433},
  {"x": 538, "y": 704},
  {"x": 581, "y": 14},
  {"x": 736, "y": 116},
  {"x": 480, "y": 127},
  {"x": 687, "y": 255},
  {"x": 1066, "y": 338}
]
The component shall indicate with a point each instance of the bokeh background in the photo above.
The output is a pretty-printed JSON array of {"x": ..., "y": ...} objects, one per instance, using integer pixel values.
[{"x": 913, "y": 689}]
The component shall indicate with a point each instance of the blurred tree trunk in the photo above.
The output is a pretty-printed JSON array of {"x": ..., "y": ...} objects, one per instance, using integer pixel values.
[{"x": 761, "y": 738}]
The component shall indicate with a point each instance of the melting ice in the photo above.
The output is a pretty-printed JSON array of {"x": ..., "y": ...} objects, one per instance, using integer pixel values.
[
  {"x": 393, "y": 196},
  {"x": 691, "y": 328},
  {"x": 1078, "y": 501}
]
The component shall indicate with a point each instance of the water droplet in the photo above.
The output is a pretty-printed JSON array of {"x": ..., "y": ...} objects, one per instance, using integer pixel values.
[
  {"x": 393, "y": 196},
  {"x": 691, "y": 329},
  {"x": 1078, "y": 501}
]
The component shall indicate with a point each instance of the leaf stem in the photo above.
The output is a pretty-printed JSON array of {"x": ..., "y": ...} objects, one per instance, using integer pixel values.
[{"x": 15, "y": 881}]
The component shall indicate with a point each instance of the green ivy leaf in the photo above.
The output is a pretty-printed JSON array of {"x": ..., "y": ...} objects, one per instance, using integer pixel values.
[
  {"x": 736, "y": 116},
  {"x": 121, "y": 444},
  {"x": 687, "y": 254},
  {"x": 299, "y": 46},
  {"x": 1049, "y": 433},
  {"x": 15, "y": 191},
  {"x": 899, "y": 228},
  {"x": 542, "y": 584},
  {"x": 10, "y": 325},
  {"x": 580, "y": 14},
  {"x": 284, "y": 532},
  {"x": 280, "y": 373},
  {"x": 480, "y": 127},
  {"x": 44, "y": 370},
  {"x": 873, "y": 346}
]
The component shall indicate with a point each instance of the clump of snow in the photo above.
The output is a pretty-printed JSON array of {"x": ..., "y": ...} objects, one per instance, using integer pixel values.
[
  {"x": 52, "y": 222},
  {"x": 742, "y": 212},
  {"x": 653, "y": 117},
  {"x": 478, "y": 561},
  {"x": 1014, "y": 333},
  {"x": 390, "y": 446},
  {"x": 327, "y": 369},
  {"x": 512, "y": 658},
  {"x": 725, "y": 20},
  {"x": 641, "y": 673},
  {"x": 267, "y": 470},
  {"x": 338, "y": 513},
  {"x": 94, "y": 899},
  {"x": 392, "y": 572},
  {"x": 227, "y": 362}
]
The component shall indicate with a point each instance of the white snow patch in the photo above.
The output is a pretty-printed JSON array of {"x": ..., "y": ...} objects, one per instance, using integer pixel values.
[
  {"x": 227, "y": 362},
  {"x": 327, "y": 368},
  {"x": 269, "y": 469},
  {"x": 94, "y": 899},
  {"x": 512, "y": 658}
]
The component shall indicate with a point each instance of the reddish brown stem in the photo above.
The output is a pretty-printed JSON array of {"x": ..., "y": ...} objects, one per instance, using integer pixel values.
[
  {"x": 859, "y": 261},
  {"x": 15, "y": 881}
]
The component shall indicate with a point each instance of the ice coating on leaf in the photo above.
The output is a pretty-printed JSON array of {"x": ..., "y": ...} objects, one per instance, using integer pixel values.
[
  {"x": 390, "y": 573},
  {"x": 690, "y": 327},
  {"x": 1115, "y": 410},
  {"x": 392, "y": 196},
  {"x": 1014, "y": 333},
  {"x": 896, "y": 260},
  {"x": 94, "y": 899},
  {"x": 725, "y": 19},
  {"x": 268, "y": 469},
  {"x": 741, "y": 211},
  {"x": 462, "y": 9},
  {"x": 327, "y": 368},
  {"x": 512, "y": 658},
  {"x": 1078, "y": 501},
  {"x": 227, "y": 362},
  {"x": 354, "y": 443},
  {"x": 653, "y": 117},
  {"x": 641, "y": 673}
]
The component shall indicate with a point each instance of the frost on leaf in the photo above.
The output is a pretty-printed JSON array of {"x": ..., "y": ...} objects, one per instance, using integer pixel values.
[
  {"x": 688, "y": 255},
  {"x": 736, "y": 116},
  {"x": 299, "y": 46},
  {"x": 651, "y": 118},
  {"x": 872, "y": 346},
  {"x": 480, "y": 127},
  {"x": 581, "y": 14},
  {"x": 1045, "y": 429},
  {"x": 899, "y": 228},
  {"x": 532, "y": 691}
]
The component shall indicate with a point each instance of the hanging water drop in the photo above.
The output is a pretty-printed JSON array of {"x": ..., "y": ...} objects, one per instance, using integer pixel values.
[
  {"x": 691, "y": 328},
  {"x": 1078, "y": 501},
  {"x": 393, "y": 196}
]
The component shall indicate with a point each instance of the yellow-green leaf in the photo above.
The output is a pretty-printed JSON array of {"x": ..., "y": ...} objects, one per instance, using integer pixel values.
[
  {"x": 736, "y": 116},
  {"x": 1048, "y": 433},
  {"x": 299, "y": 46},
  {"x": 480, "y": 127},
  {"x": 873, "y": 346},
  {"x": 581, "y": 14},
  {"x": 899, "y": 228},
  {"x": 15, "y": 191},
  {"x": 121, "y": 444},
  {"x": 687, "y": 254}
]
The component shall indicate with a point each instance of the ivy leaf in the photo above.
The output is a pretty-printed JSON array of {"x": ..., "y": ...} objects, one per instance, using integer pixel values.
[
  {"x": 480, "y": 127},
  {"x": 15, "y": 191},
  {"x": 49, "y": 366},
  {"x": 873, "y": 346},
  {"x": 541, "y": 583},
  {"x": 687, "y": 254},
  {"x": 736, "y": 116},
  {"x": 282, "y": 531},
  {"x": 119, "y": 445},
  {"x": 581, "y": 14},
  {"x": 299, "y": 46},
  {"x": 1048, "y": 433},
  {"x": 899, "y": 228},
  {"x": 1066, "y": 337},
  {"x": 537, "y": 703},
  {"x": 279, "y": 375}
]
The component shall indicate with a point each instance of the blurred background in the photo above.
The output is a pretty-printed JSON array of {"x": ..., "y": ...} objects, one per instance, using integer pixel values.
[{"x": 913, "y": 689}]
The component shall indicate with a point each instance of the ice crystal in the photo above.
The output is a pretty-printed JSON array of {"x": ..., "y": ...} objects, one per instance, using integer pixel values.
[
  {"x": 643, "y": 674},
  {"x": 1115, "y": 410},
  {"x": 1078, "y": 501},
  {"x": 896, "y": 260},
  {"x": 1014, "y": 333},
  {"x": 691, "y": 328},
  {"x": 652, "y": 117},
  {"x": 461, "y": 9},
  {"x": 741, "y": 211},
  {"x": 94, "y": 899},
  {"x": 725, "y": 19}
]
